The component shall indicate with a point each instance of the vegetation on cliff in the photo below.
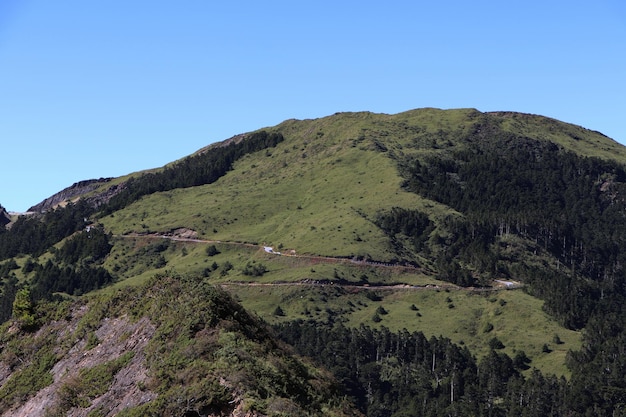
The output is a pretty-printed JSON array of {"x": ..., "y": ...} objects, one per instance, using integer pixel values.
[{"x": 199, "y": 352}]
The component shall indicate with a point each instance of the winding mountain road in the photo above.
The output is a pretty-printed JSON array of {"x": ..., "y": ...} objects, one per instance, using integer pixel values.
[{"x": 181, "y": 237}]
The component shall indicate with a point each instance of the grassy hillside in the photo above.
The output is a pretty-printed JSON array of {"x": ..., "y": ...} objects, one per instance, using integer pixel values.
[
  {"x": 316, "y": 195},
  {"x": 332, "y": 290},
  {"x": 470, "y": 319},
  {"x": 321, "y": 191}
]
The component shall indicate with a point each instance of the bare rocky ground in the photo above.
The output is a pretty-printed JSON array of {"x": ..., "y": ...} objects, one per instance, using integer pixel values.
[
  {"x": 115, "y": 336},
  {"x": 131, "y": 384}
]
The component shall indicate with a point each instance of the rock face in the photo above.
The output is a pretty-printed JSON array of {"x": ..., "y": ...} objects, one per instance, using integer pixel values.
[
  {"x": 4, "y": 216},
  {"x": 115, "y": 337},
  {"x": 176, "y": 346},
  {"x": 70, "y": 193}
]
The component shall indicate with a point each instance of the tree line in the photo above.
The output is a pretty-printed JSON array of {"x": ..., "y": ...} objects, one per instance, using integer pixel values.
[
  {"x": 75, "y": 270},
  {"x": 570, "y": 207},
  {"x": 33, "y": 235},
  {"x": 203, "y": 168},
  {"x": 389, "y": 374}
]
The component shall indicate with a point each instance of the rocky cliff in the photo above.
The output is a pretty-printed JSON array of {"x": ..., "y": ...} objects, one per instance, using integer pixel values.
[
  {"x": 4, "y": 216},
  {"x": 174, "y": 347},
  {"x": 70, "y": 193}
]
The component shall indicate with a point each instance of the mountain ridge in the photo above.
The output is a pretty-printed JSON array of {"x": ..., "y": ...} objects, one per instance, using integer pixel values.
[
  {"x": 107, "y": 352},
  {"x": 610, "y": 149},
  {"x": 73, "y": 192}
]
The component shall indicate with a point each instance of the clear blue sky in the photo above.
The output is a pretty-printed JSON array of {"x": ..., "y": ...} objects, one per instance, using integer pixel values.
[{"x": 100, "y": 88}]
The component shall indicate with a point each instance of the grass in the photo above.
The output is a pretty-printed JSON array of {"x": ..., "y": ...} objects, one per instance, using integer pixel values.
[
  {"x": 90, "y": 383},
  {"x": 516, "y": 318},
  {"x": 319, "y": 193},
  {"x": 319, "y": 220},
  {"x": 320, "y": 190},
  {"x": 133, "y": 258},
  {"x": 574, "y": 138},
  {"x": 466, "y": 323}
]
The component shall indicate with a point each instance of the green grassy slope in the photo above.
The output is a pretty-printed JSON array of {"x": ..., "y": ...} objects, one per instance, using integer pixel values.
[
  {"x": 319, "y": 193},
  {"x": 574, "y": 138},
  {"x": 466, "y": 316},
  {"x": 316, "y": 193},
  {"x": 320, "y": 190}
]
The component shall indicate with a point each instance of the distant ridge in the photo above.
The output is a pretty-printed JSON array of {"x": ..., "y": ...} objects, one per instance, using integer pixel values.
[
  {"x": 569, "y": 136},
  {"x": 77, "y": 189}
]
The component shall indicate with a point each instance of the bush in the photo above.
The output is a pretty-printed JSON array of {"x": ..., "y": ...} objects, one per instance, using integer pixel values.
[
  {"x": 254, "y": 270},
  {"x": 23, "y": 310},
  {"x": 27, "y": 381},
  {"x": 373, "y": 296},
  {"x": 496, "y": 344},
  {"x": 521, "y": 361},
  {"x": 90, "y": 383},
  {"x": 212, "y": 250},
  {"x": 225, "y": 268}
]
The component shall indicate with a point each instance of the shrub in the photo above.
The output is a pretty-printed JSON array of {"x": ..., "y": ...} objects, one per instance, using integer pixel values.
[
  {"x": 212, "y": 250},
  {"x": 27, "y": 381},
  {"x": 255, "y": 270},
  {"x": 90, "y": 383},
  {"x": 373, "y": 296},
  {"x": 23, "y": 310},
  {"x": 521, "y": 361},
  {"x": 495, "y": 343}
]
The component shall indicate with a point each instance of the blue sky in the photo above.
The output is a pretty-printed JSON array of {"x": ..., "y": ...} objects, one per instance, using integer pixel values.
[{"x": 100, "y": 88}]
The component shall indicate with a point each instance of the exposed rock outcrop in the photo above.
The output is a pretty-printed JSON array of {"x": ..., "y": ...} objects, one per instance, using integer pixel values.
[
  {"x": 115, "y": 336},
  {"x": 4, "y": 217},
  {"x": 68, "y": 194},
  {"x": 175, "y": 346}
]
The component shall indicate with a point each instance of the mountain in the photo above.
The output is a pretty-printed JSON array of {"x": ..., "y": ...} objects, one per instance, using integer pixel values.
[{"x": 435, "y": 261}]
